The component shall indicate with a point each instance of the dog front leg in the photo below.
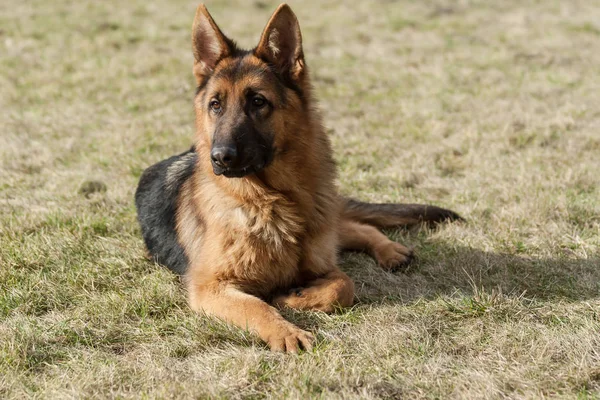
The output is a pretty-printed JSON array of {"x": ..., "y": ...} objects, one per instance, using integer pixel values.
[{"x": 249, "y": 312}]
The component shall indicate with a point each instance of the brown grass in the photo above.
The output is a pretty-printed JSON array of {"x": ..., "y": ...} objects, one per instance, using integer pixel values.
[{"x": 489, "y": 108}]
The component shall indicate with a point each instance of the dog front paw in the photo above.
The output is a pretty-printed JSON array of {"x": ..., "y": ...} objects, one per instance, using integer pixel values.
[{"x": 290, "y": 339}]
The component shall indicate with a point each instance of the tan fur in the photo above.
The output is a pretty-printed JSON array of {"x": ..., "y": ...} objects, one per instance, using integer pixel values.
[{"x": 271, "y": 236}]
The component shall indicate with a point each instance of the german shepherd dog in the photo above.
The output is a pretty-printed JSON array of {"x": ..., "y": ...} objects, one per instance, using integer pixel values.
[{"x": 250, "y": 216}]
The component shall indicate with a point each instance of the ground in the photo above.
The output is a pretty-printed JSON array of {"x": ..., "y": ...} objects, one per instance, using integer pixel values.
[{"x": 488, "y": 108}]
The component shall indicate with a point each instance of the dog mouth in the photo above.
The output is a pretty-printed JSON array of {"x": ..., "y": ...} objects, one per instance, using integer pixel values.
[{"x": 238, "y": 172}]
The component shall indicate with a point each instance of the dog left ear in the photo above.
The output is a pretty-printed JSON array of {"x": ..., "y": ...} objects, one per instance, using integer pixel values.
[{"x": 281, "y": 43}]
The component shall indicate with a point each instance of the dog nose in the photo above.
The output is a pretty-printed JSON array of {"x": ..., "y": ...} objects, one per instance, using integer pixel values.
[{"x": 224, "y": 156}]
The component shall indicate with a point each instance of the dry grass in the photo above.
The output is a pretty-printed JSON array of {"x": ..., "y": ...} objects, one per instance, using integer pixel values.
[{"x": 490, "y": 108}]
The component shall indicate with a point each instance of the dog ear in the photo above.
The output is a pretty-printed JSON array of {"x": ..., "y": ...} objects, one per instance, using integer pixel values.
[
  {"x": 281, "y": 43},
  {"x": 209, "y": 44}
]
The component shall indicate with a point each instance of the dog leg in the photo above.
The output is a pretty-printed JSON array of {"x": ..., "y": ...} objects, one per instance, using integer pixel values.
[
  {"x": 389, "y": 254},
  {"x": 334, "y": 289},
  {"x": 249, "y": 312}
]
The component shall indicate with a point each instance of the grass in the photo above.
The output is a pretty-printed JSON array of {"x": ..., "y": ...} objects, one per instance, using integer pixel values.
[{"x": 489, "y": 108}]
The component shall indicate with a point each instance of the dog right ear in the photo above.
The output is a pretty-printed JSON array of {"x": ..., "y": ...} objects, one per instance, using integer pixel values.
[{"x": 208, "y": 43}]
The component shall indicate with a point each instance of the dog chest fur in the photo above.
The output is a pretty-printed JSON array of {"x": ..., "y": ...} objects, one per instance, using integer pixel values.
[{"x": 251, "y": 237}]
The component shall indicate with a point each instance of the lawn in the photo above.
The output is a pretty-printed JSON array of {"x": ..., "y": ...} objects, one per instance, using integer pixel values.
[{"x": 491, "y": 108}]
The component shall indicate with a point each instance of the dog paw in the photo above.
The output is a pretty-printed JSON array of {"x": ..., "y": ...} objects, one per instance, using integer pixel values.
[
  {"x": 292, "y": 299},
  {"x": 307, "y": 299},
  {"x": 290, "y": 339},
  {"x": 392, "y": 256}
]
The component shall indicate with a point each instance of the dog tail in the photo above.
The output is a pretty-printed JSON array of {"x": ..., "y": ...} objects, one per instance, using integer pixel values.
[{"x": 391, "y": 215}]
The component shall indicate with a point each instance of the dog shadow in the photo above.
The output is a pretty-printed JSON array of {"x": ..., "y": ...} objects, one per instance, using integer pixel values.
[{"x": 442, "y": 269}]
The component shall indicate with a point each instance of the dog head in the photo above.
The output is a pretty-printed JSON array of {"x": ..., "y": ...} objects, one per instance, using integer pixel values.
[{"x": 248, "y": 102}]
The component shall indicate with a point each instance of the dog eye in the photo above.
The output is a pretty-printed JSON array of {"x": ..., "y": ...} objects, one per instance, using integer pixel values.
[
  {"x": 258, "y": 102},
  {"x": 215, "y": 105}
]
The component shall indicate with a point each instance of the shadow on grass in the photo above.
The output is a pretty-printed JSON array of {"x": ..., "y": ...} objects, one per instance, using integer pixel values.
[{"x": 443, "y": 269}]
